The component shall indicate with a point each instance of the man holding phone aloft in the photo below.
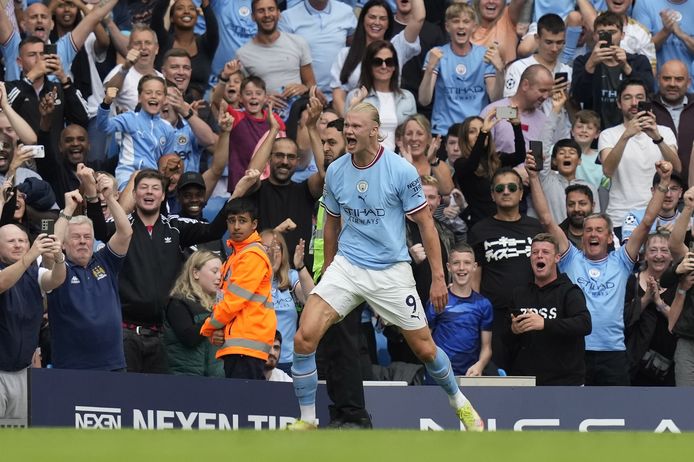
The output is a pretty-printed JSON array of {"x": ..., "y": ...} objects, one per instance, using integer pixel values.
[
  {"x": 628, "y": 152},
  {"x": 598, "y": 74},
  {"x": 21, "y": 305},
  {"x": 30, "y": 95}
]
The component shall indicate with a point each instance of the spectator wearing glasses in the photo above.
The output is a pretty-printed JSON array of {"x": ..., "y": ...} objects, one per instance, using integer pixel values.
[
  {"x": 379, "y": 85},
  {"x": 502, "y": 251},
  {"x": 278, "y": 197},
  {"x": 668, "y": 211}
]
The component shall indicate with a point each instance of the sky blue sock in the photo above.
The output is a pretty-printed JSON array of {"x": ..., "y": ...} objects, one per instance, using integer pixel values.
[
  {"x": 305, "y": 378},
  {"x": 573, "y": 33},
  {"x": 440, "y": 370}
]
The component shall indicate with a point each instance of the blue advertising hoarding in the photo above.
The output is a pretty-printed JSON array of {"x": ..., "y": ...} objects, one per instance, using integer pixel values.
[{"x": 87, "y": 399}]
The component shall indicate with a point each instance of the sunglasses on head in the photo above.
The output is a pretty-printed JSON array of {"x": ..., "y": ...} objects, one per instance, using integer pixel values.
[
  {"x": 378, "y": 62},
  {"x": 512, "y": 187}
]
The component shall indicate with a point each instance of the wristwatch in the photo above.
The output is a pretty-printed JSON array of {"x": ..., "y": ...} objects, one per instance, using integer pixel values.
[
  {"x": 435, "y": 163},
  {"x": 190, "y": 114},
  {"x": 659, "y": 140},
  {"x": 62, "y": 214}
]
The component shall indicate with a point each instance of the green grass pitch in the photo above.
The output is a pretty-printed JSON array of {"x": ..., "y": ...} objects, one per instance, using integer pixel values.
[{"x": 52, "y": 445}]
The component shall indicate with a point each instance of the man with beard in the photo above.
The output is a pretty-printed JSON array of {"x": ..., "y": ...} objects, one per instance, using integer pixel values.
[
  {"x": 673, "y": 107},
  {"x": 668, "y": 211},
  {"x": 502, "y": 251},
  {"x": 272, "y": 373},
  {"x": 285, "y": 78},
  {"x": 278, "y": 197},
  {"x": 11, "y": 158},
  {"x": 579, "y": 204}
]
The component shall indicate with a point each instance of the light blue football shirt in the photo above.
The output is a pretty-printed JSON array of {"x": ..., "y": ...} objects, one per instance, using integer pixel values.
[
  {"x": 236, "y": 27},
  {"x": 372, "y": 202},
  {"x": 604, "y": 284},
  {"x": 460, "y": 90}
]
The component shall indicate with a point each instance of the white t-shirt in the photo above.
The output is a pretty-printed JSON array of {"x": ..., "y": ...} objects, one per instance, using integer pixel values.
[
  {"x": 389, "y": 118},
  {"x": 632, "y": 180},
  {"x": 127, "y": 97},
  {"x": 97, "y": 95},
  {"x": 403, "y": 48},
  {"x": 278, "y": 375}
]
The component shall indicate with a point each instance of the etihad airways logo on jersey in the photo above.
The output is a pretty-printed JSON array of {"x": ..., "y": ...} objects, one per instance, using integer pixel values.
[{"x": 364, "y": 216}]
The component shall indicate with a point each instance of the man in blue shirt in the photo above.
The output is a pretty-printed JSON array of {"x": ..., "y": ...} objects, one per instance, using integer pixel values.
[
  {"x": 367, "y": 195},
  {"x": 602, "y": 275},
  {"x": 21, "y": 311},
  {"x": 85, "y": 313},
  {"x": 236, "y": 27},
  {"x": 38, "y": 22},
  {"x": 327, "y": 26},
  {"x": 461, "y": 77},
  {"x": 464, "y": 328}
]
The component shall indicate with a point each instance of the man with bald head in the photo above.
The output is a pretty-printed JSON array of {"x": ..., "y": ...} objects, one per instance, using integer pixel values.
[
  {"x": 21, "y": 309},
  {"x": 673, "y": 107},
  {"x": 535, "y": 87},
  {"x": 59, "y": 168}
]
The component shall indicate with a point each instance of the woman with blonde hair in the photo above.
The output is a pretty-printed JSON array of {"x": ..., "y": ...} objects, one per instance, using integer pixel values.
[
  {"x": 420, "y": 149},
  {"x": 289, "y": 288},
  {"x": 192, "y": 298}
]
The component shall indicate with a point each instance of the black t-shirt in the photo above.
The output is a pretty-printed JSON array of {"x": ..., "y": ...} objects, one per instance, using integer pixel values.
[
  {"x": 276, "y": 203},
  {"x": 502, "y": 249}
]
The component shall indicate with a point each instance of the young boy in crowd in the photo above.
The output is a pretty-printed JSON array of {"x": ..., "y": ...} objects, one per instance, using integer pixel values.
[
  {"x": 244, "y": 316},
  {"x": 145, "y": 135},
  {"x": 462, "y": 78},
  {"x": 464, "y": 328},
  {"x": 250, "y": 125},
  {"x": 585, "y": 130}
]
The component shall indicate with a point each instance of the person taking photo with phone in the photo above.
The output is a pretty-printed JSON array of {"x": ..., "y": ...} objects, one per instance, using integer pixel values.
[
  {"x": 628, "y": 152},
  {"x": 34, "y": 92},
  {"x": 598, "y": 74}
]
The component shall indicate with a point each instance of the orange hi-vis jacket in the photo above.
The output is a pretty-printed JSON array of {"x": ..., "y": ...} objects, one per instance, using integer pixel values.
[{"x": 245, "y": 310}]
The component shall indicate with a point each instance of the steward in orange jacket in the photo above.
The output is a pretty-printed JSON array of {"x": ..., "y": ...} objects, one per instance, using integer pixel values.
[{"x": 245, "y": 310}]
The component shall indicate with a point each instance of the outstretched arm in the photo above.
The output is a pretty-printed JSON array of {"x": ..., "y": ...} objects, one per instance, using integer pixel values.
[
  {"x": 638, "y": 237},
  {"x": 541, "y": 207}
]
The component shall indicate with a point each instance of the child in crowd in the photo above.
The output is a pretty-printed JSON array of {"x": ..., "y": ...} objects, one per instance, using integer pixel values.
[
  {"x": 460, "y": 77},
  {"x": 145, "y": 135},
  {"x": 250, "y": 125},
  {"x": 585, "y": 130},
  {"x": 464, "y": 328}
]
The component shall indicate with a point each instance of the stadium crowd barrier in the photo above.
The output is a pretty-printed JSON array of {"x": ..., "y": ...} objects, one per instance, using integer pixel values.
[{"x": 88, "y": 399}]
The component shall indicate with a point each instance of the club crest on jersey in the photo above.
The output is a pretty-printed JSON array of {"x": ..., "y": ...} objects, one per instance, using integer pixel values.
[
  {"x": 183, "y": 140},
  {"x": 362, "y": 186},
  {"x": 162, "y": 140},
  {"x": 244, "y": 11},
  {"x": 460, "y": 69},
  {"x": 594, "y": 273}
]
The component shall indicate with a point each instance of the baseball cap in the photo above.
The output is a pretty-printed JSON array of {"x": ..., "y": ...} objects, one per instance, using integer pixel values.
[{"x": 190, "y": 178}]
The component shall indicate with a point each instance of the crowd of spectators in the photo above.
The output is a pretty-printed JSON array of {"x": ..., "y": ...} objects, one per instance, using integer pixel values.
[{"x": 551, "y": 139}]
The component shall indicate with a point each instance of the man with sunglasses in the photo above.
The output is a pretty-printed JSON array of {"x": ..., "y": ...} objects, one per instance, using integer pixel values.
[{"x": 502, "y": 251}]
